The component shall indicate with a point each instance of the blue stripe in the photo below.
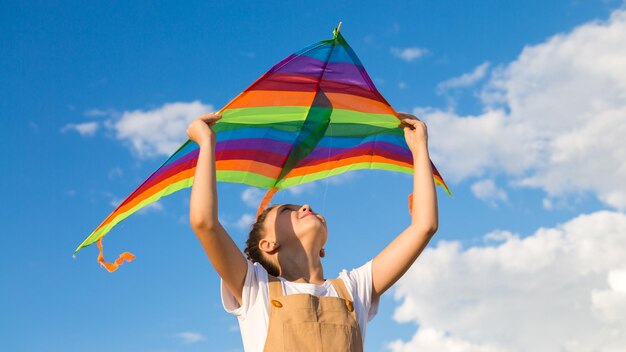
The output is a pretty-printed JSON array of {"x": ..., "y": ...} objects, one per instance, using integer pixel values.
[
  {"x": 339, "y": 54},
  {"x": 289, "y": 137}
]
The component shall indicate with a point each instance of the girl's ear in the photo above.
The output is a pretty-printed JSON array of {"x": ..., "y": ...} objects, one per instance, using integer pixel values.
[{"x": 268, "y": 247}]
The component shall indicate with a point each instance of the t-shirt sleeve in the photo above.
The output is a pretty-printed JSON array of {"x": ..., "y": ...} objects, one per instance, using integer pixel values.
[
  {"x": 254, "y": 274},
  {"x": 360, "y": 282}
]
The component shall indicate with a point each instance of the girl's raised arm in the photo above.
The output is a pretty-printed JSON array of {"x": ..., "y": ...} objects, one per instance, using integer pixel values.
[
  {"x": 393, "y": 261},
  {"x": 223, "y": 253}
]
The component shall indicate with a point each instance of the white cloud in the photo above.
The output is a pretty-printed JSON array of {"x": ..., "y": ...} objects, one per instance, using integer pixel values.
[
  {"x": 401, "y": 85},
  {"x": 428, "y": 339},
  {"x": 487, "y": 191},
  {"x": 245, "y": 221},
  {"x": 552, "y": 119},
  {"x": 466, "y": 79},
  {"x": 84, "y": 129},
  {"x": 342, "y": 178},
  {"x": 158, "y": 131},
  {"x": 559, "y": 289},
  {"x": 253, "y": 196},
  {"x": 610, "y": 304},
  {"x": 409, "y": 54},
  {"x": 190, "y": 337},
  {"x": 303, "y": 188},
  {"x": 98, "y": 112},
  {"x": 115, "y": 172}
]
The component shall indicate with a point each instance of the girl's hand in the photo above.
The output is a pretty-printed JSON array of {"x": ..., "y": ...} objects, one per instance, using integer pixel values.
[
  {"x": 199, "y": 130},
  {"x": 415, "y": 131}
]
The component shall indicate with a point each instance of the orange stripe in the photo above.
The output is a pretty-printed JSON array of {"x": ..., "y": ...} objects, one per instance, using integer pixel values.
[
  {"x": 358, "y": 103},
  {"x": 259, "y": 98},
  {"x": 263, "y": 169},
  {"x": 304, "y": 170}
]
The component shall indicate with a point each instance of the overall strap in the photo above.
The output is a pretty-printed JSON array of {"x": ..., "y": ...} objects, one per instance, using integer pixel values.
[
  {"x": 275, "y": 287},
  {"x": 340, "y": 286}
]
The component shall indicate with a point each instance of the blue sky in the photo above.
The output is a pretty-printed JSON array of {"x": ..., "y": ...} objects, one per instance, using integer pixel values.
[{"x": 525, "y": 106}]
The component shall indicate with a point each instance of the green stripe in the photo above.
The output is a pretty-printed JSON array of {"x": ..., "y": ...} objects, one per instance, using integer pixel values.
[
  {"x": 297, "y": 180},
  {"x": 270, "y": 115},
  {"x": 246, "y": 177},
  {"x": 334, "y": 130},
  {"x": 174, "y": 187}
]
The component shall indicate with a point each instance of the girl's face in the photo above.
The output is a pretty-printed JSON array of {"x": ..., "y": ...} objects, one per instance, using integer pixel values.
[{"x": 291, "y": 222}]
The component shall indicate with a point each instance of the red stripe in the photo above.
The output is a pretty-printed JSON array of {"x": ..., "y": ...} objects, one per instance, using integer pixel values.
[
  {"x": 357, "y": 152},
  {"x": 262, "y": 156},
  {"x": 300, "y": 83}
]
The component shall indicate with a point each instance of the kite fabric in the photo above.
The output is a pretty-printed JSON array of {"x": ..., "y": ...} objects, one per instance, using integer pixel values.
[{"x": 313, "y": 115}]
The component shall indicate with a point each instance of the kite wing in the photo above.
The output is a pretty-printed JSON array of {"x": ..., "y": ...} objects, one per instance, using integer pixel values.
[{"x": 313, "y": 115}]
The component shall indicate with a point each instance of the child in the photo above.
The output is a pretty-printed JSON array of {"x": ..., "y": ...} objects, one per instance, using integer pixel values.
[{"x": 279, "y": 293}]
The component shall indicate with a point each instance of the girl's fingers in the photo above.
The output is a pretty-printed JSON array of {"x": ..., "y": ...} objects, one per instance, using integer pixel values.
[
  {"x": 410, "y": 124},
  {"x": 210, "y": 117},
  {"x": 411, "y": 121},
  {"x": 404, "y": 115}
]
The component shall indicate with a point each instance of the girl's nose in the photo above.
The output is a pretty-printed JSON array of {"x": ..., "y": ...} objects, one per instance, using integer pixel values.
[{"x": 307, "y": 207}]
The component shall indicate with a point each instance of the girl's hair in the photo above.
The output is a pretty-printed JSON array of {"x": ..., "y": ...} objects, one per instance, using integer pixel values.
[{"x": 254, "y": 253}]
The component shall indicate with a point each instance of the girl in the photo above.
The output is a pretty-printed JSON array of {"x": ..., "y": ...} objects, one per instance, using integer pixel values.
[{"x": 279, "y": 293}]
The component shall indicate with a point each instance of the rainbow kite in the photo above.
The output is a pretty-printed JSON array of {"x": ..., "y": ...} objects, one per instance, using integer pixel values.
[{"x": 313, "y": 115}]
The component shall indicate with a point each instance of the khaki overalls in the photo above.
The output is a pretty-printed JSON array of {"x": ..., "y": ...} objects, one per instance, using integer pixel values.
[{"x": 306, "y": 323}]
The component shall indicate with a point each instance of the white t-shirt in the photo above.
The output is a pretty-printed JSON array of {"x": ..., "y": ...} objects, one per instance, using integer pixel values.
[{"x": 253, "y": 314}]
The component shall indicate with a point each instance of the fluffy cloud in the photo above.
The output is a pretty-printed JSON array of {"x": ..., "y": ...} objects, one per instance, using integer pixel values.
[
  {"x": 552, "y": 119},
  {"x": 158, "y": 131},
  {"x": 252, "y": 196},
  {"x": 466, "y": 79},
  {"x": 245, "y": 221},
  {"x": 84, "y": 129},
  {"x": 559, "y": 289},
  {"x": 409, "y": 54},
  {"x": 190, "y": 337},
  {"x": 489, "y": 192}
]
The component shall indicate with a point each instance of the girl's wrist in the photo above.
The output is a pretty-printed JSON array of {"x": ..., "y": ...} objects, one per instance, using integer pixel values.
[
  {"x": 206, "y": 142},
  {"x": 419, "y": 149}
]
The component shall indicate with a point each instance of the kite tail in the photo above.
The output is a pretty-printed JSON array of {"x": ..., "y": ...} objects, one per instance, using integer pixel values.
[
  {"x": 266, "y": 200},
  {"x": 111, "y": 267}
]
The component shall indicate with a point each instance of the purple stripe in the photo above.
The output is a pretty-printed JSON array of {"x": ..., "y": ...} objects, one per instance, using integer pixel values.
[
  {"x": 337, "y": 71},
  {"x": 183, "y": 159},
  {"x": 326, "y": 152},
  {"x": 270, "y": 145}
]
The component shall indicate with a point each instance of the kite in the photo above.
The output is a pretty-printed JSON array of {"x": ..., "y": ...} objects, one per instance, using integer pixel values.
[{"x": 313, "y": 115}]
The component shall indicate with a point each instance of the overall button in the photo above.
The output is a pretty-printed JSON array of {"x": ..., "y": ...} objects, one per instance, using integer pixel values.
[
  {"x": 276, "y": 303},
  {"x": 349, "y": 305}
]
